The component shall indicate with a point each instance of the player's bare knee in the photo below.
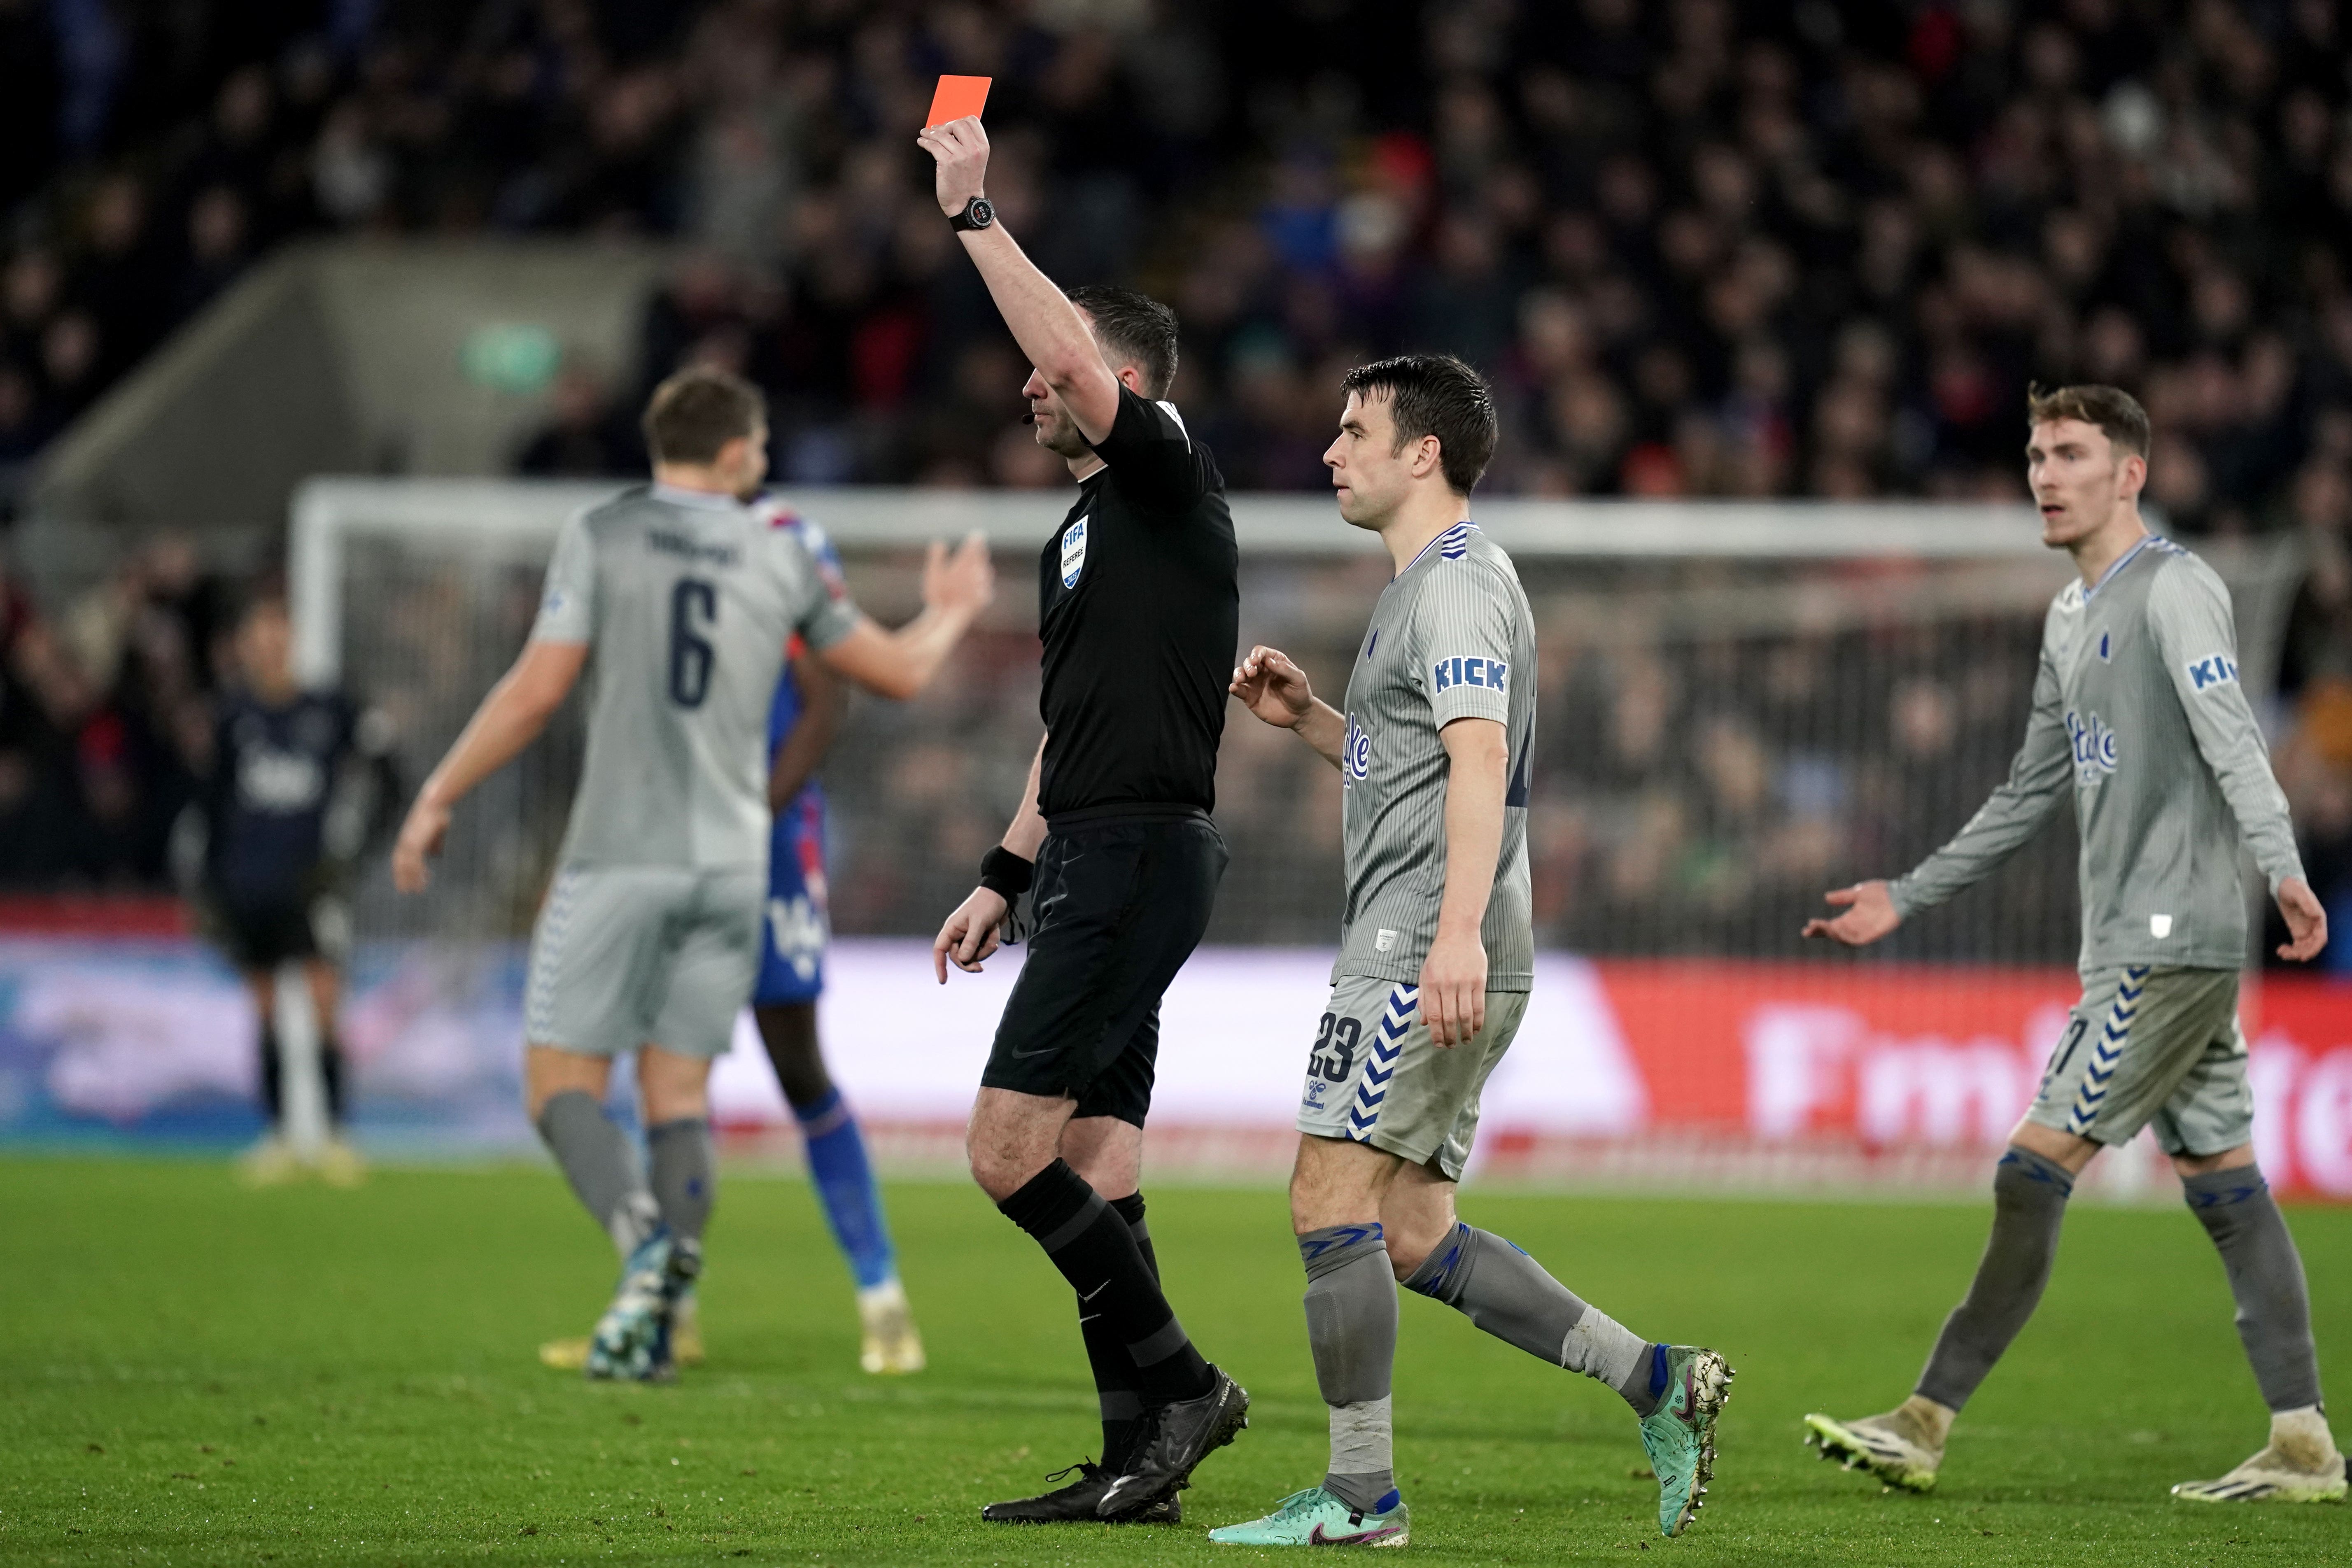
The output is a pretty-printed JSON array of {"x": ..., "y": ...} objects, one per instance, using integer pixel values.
[
  {"x": 2061, "y": 1148},
  {"x": 1409, "y": 1245},
  {"x": 551, "y": 1071},
  {"x": 1013, "y": 1136},
  {"x": 1415, "y": 1217},
  {"x": 2188, "y": 1166},
  {"x": 1106, "y": 1152},
  {"x": 999, "y": 1163},
  {"x": 1001, "y": 1171},
  {"x": 674, "y": 1087},
  {"x": 1336, "y": 1182}
]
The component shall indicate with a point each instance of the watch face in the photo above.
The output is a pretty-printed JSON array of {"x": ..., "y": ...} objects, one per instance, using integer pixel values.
[{"x": 982, "y": 212}]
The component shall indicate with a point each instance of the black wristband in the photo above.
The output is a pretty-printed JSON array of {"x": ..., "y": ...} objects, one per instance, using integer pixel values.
[{"x": 1005, "y": 874}]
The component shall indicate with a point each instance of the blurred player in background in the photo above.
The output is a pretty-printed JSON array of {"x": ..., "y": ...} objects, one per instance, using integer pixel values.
[
  {"x": 300, "y": 782},
  {"x": 687, "y": 598},
  {"x": 1436, "y": 960},
  {"x": 1138, "y": 609},
  {"x": 2138, "y": 705},
  {"x": 810, "y": 702}
]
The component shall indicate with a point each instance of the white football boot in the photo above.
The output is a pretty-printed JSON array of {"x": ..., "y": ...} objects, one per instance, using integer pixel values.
[
  {"x": 2300, "y": 1463},
  {"x": 1904, "y": 1447},
  {"x": 889, "y": 1342}
]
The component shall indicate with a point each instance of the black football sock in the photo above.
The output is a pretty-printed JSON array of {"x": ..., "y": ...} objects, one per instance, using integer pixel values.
[
  {"x": 1095, "y": 1249},
  {"x": 1130, "y": 1209},
  {"x": 2029, "y": 1203},
  {"x": 273, "y": 1074},
  {"x": 1115, "y": 1380},
  {"x": 330, "y": 1076},
  {"x": 602, "y": 1167},
  {"x": 2265, "y": 1277},
  {"x": 685, "y": 1174}
]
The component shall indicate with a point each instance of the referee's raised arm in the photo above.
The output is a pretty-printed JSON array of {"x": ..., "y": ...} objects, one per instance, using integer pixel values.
[{"x": 1048, "y": 328}]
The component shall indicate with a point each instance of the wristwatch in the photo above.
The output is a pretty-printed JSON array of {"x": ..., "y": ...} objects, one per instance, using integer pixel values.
[{"x": 978, "y": 212}]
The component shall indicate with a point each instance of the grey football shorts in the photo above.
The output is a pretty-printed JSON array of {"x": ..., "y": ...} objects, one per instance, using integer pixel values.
[
  {"x": 630, "y": 955},
  {"x": 2152, "y": 1045},
  {"x": 1375, "y": 1078}
]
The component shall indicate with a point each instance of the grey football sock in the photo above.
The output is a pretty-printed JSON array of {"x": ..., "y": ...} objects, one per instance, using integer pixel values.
[
  {"x": 1351, "y": 1326},
  {"x": 1505, "y": 1292},
  {"x": 2029, "y": 1203},
  {"x": 685, "y": 1174},
  {"x": 602, "y": 1167},
  {"x": 2265, "y": 1275}
]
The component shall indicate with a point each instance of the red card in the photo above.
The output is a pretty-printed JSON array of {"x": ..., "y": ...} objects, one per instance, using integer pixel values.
[{"x": 957, "y": 96}]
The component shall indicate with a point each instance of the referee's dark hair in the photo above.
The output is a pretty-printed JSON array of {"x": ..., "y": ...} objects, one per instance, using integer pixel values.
[
  {"x": 1133, "y": 328},
  {"x": 1435, "y": 394},
  {"x": 698, "y": 410}
]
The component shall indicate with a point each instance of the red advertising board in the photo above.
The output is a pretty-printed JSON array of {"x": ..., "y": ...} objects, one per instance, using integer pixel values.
[{"x": 1910, "y": 1057}]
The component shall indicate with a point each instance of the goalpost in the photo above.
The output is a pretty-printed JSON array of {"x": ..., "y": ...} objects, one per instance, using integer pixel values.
[
  {"x": 1742, "y": 704},
  {"x": 1734, "y": 694}
]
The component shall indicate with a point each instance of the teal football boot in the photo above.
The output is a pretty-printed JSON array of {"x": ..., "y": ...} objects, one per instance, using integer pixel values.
[
  {"x": 631, "y": 1341},
  {"x": 1680, "y": 1432},
  {"x": 1315, "y": 1517}
]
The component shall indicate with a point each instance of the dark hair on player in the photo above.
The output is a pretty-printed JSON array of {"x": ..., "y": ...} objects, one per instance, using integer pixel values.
[
  {"x": 1133, "y": 328},
  {"x": 698, "y": 410},
  {"x": 1435, "y": 394},
  {"x": 2111, "y": 408}
]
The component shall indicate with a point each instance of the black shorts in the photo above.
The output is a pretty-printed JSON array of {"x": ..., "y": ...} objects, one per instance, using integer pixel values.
[
  {"x": 1120, "y": 904},
  {"x": 264, "y": 935}
]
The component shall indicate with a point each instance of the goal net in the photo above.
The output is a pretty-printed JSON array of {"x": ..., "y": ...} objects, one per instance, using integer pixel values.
[{"x": 1741, "y": 706}]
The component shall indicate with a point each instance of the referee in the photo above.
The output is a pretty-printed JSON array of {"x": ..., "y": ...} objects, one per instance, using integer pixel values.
[{"x": 1138, "y": 611}]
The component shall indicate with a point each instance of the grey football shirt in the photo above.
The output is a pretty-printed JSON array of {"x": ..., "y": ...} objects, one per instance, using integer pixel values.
[
  {"x": 1451, "y": 637},
  {"x": 2138, "y": 706},
  {"x": 685, "y": 600}
]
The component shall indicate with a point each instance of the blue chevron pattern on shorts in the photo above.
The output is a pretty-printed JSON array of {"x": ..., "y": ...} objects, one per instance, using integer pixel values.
[
  {"x": 2107, "y": 1051},
  {"x": 1380, "y": 1061}
]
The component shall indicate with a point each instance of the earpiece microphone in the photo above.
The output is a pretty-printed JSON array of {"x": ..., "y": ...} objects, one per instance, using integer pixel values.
[{"x": 1028, "y": 419}]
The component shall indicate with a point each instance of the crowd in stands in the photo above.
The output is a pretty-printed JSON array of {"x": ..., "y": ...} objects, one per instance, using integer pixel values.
[
  {"x": 1813, "y": 248},
  {"x": 106, "y": 720}
]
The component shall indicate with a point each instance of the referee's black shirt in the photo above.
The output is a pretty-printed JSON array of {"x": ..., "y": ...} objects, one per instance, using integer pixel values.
[{"x": 1140, "y": 609}]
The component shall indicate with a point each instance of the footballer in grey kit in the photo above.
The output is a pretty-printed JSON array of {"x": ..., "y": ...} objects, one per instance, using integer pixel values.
[
  {"x": 1451, "y": 637},
  {"x": 1436, "y": 961},
  {"x": 684, "y": 594},
  {"x": 2139, "y": 714}
]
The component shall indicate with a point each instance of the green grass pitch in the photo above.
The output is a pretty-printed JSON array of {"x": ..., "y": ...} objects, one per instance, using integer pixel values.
[{"x": 190, "y": 1373}]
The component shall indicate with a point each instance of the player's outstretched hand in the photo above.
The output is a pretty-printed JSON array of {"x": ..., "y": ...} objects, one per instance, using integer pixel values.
[
  {"x": 969, "y": 934},
  {"x": 1869, "y": 915},
  {"x": 1273, "y": 688},
  {"x": 420, "y": 839},
  {"x": 1453, "y": 990},
  {"x": 960, "y": 147},
  {"x": 2306, "y": 919},
  {"x": 963, "y": 582}
]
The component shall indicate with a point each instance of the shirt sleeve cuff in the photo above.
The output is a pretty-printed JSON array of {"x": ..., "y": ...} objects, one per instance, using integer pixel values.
[
  {"x": 1471, "y": 704},
  {"x": 835, "y": 620}
]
